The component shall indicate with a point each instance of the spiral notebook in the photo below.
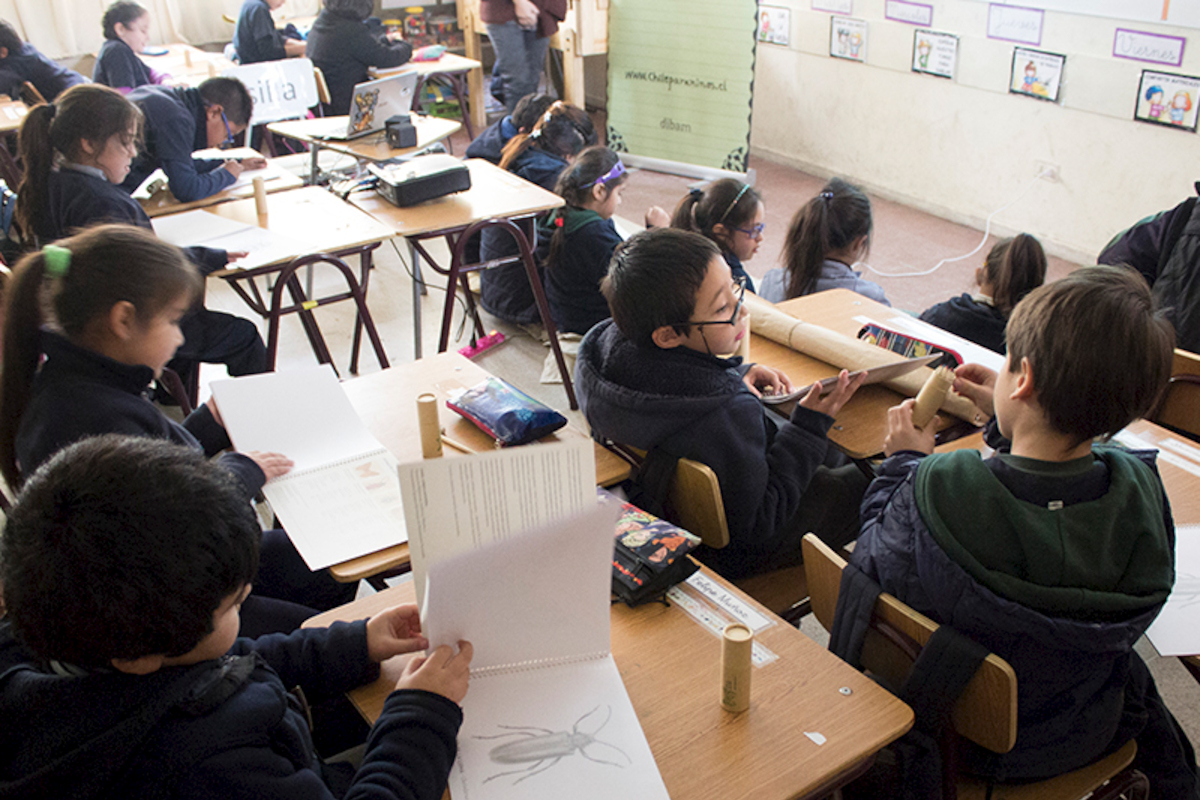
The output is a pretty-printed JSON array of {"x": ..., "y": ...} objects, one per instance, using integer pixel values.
[
  {"x": 547, "y": 714},
  {"x": 342, "y": 498}
]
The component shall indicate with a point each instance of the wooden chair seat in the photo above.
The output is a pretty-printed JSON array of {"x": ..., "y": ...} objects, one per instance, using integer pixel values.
[{"x": 1076, "y": 784}]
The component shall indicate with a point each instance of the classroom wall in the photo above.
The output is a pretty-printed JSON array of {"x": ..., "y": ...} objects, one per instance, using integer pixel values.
[{"x": 962, "y": 149}]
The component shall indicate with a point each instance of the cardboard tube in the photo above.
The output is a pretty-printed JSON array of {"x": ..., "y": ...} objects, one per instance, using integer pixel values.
[
  {"x": 260, "y": 196},
  {"x": 930, "y": 398},
  {"x": 430, "y": 425},
  {"x": 187, "y": 57},
  {"x": 737, "y": 642},
  {"x": 845, "y": 352},
  {"x": 212, "y": 70}
]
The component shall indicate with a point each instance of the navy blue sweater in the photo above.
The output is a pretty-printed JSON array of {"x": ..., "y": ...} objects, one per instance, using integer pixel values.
[
  {"x": 966, "y": 317},
  {"x": 255, "y": 37},
  {"x": 119, "y": 67},
  {"x": 29, "y": 64},
  {"x": 175, "y": 128},
  {"x": 344, "y": 47},
  {"x": 490, "y": 144},
  {"x": 573, "y": 280}
]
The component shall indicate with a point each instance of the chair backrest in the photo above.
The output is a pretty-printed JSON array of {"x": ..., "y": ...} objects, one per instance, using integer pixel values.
[
  {"x": 322, "y": 87},
  {"x": 695, "y": 496},
  {"x": 284, "y": 89},
  {"x": 1180, "y": 406},
  {"x": 986, "y": 711}
]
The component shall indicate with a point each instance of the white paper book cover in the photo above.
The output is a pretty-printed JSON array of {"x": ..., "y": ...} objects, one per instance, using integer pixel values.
[{"x": 1174, "y": 632}]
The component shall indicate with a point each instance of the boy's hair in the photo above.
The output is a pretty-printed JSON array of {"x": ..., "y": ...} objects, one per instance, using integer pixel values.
[
  {"x": 122, "y": 11},
  {"x": 833, "y": 220},
  {"x": 653, "y": 280},
  {"x": 727, "y": 202},
  {"x": 575, "y": 187},
  {"x": 1014, "y": 268},
  {"x": 10, "y": 38},
  {"x": 108, "y": 264},
  {"x": 122, "y": 547},
  {"x": 1100, "y": 353},
  {"x": 231, "y": 95},
  {"x": 562, "y": 130},
  {"x": 354, "y": 9},
  {"x": 529, "y": 108}
]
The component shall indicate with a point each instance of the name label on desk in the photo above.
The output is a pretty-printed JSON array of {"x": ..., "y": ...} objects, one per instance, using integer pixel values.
[
  {"x": 725, "y": 600},
  {"x": 714, "y": 622}
]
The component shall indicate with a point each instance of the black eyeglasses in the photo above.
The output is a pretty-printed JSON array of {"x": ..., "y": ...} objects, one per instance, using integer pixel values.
[{"x": 739, "y": 286}]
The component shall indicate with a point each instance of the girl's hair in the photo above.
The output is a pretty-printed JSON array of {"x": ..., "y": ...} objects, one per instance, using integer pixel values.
[
  {"x": 562, "y": 131},
  {"x": 1014, "y": 268},
  {"x": 591, "y": 167},
  {"x": 122, "y": 11},
  {"x": 10, "y": 38},
  {"x": 727, "y": 202},
  {"x": 88, "y": 111},
  {"x": 833, "y": 220},
  {"x": 108, "y": 264}
]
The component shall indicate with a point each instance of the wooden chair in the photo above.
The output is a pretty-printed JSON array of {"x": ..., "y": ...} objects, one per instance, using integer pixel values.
[
  {"x": 986, "y": 711},
  {"x": 1180, "y": 405}
]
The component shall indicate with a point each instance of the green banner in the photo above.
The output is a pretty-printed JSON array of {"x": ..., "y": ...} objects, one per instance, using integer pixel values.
[{"x": 681, "y": 79}]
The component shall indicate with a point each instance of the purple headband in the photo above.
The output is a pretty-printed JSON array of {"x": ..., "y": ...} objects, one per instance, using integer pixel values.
[{"x": 614, "y": 173}]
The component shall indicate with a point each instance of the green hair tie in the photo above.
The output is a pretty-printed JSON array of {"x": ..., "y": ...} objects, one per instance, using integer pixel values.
[{"x": 57, "y": 260}]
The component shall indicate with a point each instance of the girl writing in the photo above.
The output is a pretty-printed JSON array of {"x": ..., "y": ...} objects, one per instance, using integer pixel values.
[
  {"x": 126, "y": 33},
  {"x": 89, "y": 323},
  {"x": 829, "y": 234},
  {"x": 1013, "y": 268},
  {"x": 731, "y": 214}
]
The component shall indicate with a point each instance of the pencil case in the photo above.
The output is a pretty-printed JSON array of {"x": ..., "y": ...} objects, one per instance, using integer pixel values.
[
  {"x": 908, "y": 346},
  {"x": 649, "y": 554},
  {"x": 505, "y": 413}
]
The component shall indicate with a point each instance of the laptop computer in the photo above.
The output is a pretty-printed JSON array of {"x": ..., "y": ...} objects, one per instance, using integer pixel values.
[{"x": 370, "y": 106}]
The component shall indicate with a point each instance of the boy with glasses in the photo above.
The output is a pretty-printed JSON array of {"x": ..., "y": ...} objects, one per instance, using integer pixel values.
[{"x": 657, "y": 376}]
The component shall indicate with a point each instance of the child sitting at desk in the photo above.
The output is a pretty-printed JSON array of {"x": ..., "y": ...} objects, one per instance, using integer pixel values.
[
  {"x": 178, "y": 122},
  {"x": 344, "y": 44},
  {"x": 490, "y": 144},
  {"x": 75, "y": 153},
  {"x": 655, "y": 376},
  {"x": 124, "y": 565},
  {"x": 1013, "y": 268},
  {"x": 731, "y": 214},
  {"x": 88, "y": 324},
  {"x": 255, "y": 37},
  {"x": 1054, "y": 554},
  {"x": 828, "y": 235},
  {"x": 126, "y": 33},
  {"x": 21, "y": 62}
]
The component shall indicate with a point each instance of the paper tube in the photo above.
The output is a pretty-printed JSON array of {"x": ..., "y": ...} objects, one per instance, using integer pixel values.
[
  {"x": 187, "y": 57},
  {"x": 737, "y": 641},
  {"x": 212, "y": 70},
  {"x": 260, "y": 196},
  {"x": 844, "y": 352},
  {"x": 930, "y": 398},
  {"x": 431, "y": 426}
]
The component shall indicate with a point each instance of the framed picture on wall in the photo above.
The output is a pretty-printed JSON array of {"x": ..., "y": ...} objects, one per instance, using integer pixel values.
[
  {"x": 848, "y": 38},
  {"x": 774, "y": 24},
  {"x": 1168, "y": 99},
  {"x": 1036, "y": 73},
  {"x": 934, "y": 53}
]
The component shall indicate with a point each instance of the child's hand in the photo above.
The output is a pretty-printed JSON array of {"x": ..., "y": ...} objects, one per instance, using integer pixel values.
[
  {"x": 902, "y": 435},
  {"x": 442, "y": 672},
  {"x": 977, "y": 383},
  {"x": 216, "y": 412},
  {"x": 272, "y": 464},
  {"x": 234, "y": 168},
  {"x": 394, "y": 631},
  {"x": 657, "y": 218},
  {"x": 255, "y": 162},
  {"x": 235, "y": 255},
  {"x": 832, "y": 403},
  {"x": 760, "y": 378}
]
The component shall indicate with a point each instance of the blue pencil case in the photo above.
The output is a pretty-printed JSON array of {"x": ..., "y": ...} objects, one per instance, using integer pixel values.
[{"x": 505, "y": 413}]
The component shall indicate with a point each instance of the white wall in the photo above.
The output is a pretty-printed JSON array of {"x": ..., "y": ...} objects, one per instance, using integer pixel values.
[{"x": 963, "y": 148}]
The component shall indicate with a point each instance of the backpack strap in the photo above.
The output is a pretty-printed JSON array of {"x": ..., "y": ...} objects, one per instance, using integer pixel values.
[
  {"x": 939, "y": 675},
  {"x": 857, "y": 594},
  {"x": 1175, "y": 231},
  {"x": 650, "y": 483}
]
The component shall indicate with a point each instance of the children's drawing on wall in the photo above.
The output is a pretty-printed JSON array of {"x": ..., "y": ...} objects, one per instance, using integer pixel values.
[
  {"x": 848, "y": 38},
  {"x": 774, "y": 24},
  {"x": 1037, "y": 73},
  {"x": 1168, "y": 99},
  {"x": 538, "y": 749},
  {"x": 934, "y": 53}
]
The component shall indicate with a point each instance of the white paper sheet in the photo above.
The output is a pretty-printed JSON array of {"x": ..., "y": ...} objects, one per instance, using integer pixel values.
[
  {"x": 456, "y": 504},
  {"x": 1174, "y": 632},
  {"x": 970, "y": 352},
  {"x": 199, "y": 227}
]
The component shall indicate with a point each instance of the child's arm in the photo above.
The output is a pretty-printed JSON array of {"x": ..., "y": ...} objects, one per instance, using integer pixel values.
[
  {"x": 977, "y": 383},
  {"x": 190, "y": 182}
]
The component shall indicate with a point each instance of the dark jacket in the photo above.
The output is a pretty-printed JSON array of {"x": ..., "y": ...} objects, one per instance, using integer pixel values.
[
  {"x": 119, "y": 67},
  {"x": 174, "y": 128},
  {"x": 29, "y": 64},
  {"x": 343, "y": 47},
  {"x": 78, "y": 393},
  {"x": 254, "y": 35},
  {"x": 490, "y": 144},
  {"x": 573, "y": 280},
  {"x": 219, "y": 729},
  {"x": 694, "y": 405},
  {"x": 1061, "y": 594},
  {"x": 738, "y": 270},
  {"x": 964, "y": 316},
  {"x": 550, "y": 13},
  {"x": 505, "y": 291}
]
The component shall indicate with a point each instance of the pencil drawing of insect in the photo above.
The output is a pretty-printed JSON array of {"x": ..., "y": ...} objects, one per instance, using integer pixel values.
[{"x": 541, "y": 749}]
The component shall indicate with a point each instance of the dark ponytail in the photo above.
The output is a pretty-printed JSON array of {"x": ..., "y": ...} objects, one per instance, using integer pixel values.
[
  {"x": 726, "y": 202},
  {"x": 562, "y": 131},
  {"x": 575, "y": 187},
  {"x": 833, "y": 220},
  {"x": 1014, "y": 268}
]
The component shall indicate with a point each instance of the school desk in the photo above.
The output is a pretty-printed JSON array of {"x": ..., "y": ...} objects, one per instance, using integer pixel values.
[
  {"x": 373, "y": 147},
  {"x": 465, "y": 76},
  {"x": 163, "y": 202},
  {"x": 494, "y": 194},
  {"x": 861, "y": 425},
  {"x": 187, "y": 65},
  {"x": 671, "y": 669},
  {"x": 387, "y": 403},
  {"x": 311, "y": 220}
]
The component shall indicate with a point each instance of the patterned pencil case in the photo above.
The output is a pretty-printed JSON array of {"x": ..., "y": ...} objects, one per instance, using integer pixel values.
[
  {"x": 505, "y": 413},
  {"x": 908, "y": 346},
  {"x": 649, "y": 554}
]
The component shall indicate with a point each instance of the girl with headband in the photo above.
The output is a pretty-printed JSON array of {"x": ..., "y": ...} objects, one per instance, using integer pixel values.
[{"x": 731, "y": 214}]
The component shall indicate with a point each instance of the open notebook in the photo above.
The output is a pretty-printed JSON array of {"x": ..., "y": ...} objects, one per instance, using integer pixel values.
[{"x": 341, "y": 500}]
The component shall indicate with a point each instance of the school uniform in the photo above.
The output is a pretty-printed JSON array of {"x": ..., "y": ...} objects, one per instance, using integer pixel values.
[
  {"x": 119, "y": 67},
  {"x": 174, "y": 125},
  {"x": 78, "y": 196},
  {"x": 225, "y": 728},
  {"x": 833, "y": 275},
  {"x": 573, "y": 281},
  {"x": 343, "y": 47},
  {"x": 254, "y": 35},
  {"x": 973, "y": 317},
  {"x": 738, "y": 271},
  {"x": 28, "y": 64},
  {"x": 489, "y": 145}
]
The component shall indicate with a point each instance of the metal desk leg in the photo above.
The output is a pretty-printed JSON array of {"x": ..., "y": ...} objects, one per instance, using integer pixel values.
[
  {"x": 415, "y": 260},
  {"x": 314, "y": 167}
]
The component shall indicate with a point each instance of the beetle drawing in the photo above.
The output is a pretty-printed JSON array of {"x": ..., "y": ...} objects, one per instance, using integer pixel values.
[{"x": 541, "y": 749}]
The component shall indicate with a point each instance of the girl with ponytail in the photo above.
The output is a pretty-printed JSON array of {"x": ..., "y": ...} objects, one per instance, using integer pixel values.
[{"x": 731, "y": 214}]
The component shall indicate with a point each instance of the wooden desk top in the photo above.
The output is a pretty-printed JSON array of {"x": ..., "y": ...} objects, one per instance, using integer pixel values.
[
  {"x": 386, "y": 402},
  {"x": 187, "y": 65},
  {"x": 494, "y": 192},
  {"x": 163, "y": 202},
  {"x": 373, "y": 147},
  {"x": 671, "y": 669},
  {"x": 448, "y": 63},
  {"x": 12, "y": 114}
]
